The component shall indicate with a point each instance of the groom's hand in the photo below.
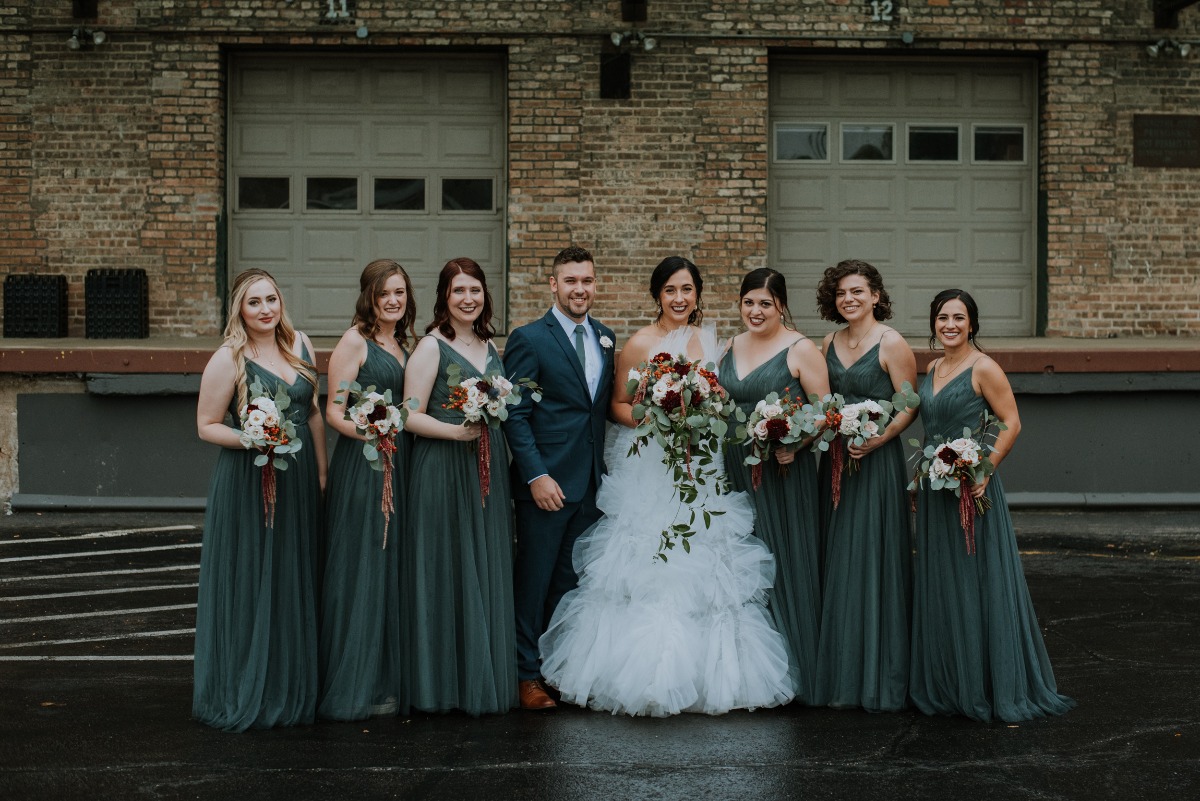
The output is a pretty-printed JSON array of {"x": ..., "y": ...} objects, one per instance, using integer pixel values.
[{"x": 547, "y": 494}]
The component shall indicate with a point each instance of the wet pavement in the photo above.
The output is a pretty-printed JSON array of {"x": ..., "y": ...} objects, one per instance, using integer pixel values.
[{"x": 96, "y": 617}]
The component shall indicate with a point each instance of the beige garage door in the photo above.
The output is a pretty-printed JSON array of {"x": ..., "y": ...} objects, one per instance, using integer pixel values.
[
  {"x": 924, "y": 169},
  {"x": 338, "y": 160}
]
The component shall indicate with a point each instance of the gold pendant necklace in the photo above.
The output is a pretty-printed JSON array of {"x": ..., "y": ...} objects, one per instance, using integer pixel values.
[{"x": 860, "y": 339}]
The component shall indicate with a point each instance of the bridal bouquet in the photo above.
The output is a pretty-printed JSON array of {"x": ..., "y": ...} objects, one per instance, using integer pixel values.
[
  {"x": 958, "y": 465},
  {"x": 843, "y": 424},
  {"x": 681, "y": 406},
  {"x": 486, "y": 400},
  {"x": 775, "y": 421},
  {"x": 265, "y": 427},
  {"x": 379, "y": 420}
]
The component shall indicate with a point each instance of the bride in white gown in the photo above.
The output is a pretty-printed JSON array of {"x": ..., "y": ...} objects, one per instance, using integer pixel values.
[{"x": 645, "y": 637}]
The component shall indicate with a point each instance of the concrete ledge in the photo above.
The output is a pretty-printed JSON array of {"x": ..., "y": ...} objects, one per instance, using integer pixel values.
[
  {"x": 1102, "y": 500},
  {"x": 24, "y": 502}
]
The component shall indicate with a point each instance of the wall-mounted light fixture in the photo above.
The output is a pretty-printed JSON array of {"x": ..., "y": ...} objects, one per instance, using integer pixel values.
[
  {"x": 1169, "y": 47},
  {"x": 85, "y": 38},
  {"x": 633, "y": 40}
]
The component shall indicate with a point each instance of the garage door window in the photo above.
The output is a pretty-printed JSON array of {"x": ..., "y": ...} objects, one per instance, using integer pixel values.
[
  {"x": 1000, "y": 143},
  {"x": 332, "y": 194},
  {"x": 933, "y": 143},
  {"x": 802, "y": 142},
  {"x": 399, "y": 194},
  {"x": 467, "y": 194},
  {"x": 867, "y": 143},
  {"x": 264, "y": 193}
]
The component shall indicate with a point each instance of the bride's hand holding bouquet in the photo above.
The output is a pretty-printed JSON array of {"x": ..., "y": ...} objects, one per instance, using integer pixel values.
[{"x": 682, "y": 406}]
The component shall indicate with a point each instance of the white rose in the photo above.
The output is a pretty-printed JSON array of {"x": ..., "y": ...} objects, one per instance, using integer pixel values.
[
  {"x": 257, "y": 417},
  {"x": 373, "y": 398},
  {"x": 760, "y": 430},
  {"x": 870, "y": 406},
  {"x": 664, "y": 385},
  {"x": 246, "y": 440},
  {"x": 939, "y": 469},
  {"x": 850, "y": 414},
  {"x": 635, "y": 374},
  {"x": 967, "y": 450},
  {"x": 870, "y": 429},
  {"x": 394, "y": 417},
  {"x": 503, "y": 384},
  {"x": 605, "y": 342},
  {"x": 253, "y": 431},
  {"x": 771, "y": 410},
  {"x": 267, "y": 405},
  {"x": 703, "y": 386}
]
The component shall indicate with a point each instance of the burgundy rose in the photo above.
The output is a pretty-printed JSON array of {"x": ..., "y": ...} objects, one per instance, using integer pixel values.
[{"x": 777, "y": 428}]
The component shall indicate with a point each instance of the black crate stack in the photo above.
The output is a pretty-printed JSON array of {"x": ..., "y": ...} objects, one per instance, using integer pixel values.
[
  {"x": 116, "y": 304},
  {"x": 35, "y": 305}
]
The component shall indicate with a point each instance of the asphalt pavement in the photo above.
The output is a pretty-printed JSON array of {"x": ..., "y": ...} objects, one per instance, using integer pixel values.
[{"x": 96, "y": 622}]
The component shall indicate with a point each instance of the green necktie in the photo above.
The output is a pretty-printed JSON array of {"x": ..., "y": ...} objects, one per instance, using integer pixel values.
[{"x": 579, "y": 351}]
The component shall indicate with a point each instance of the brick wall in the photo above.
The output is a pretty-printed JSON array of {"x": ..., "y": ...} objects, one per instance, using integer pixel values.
[{"x": 114, "y": 157}]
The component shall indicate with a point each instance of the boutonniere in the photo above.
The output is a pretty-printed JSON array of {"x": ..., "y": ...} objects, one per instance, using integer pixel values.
[{"x": 605, "y": 342}]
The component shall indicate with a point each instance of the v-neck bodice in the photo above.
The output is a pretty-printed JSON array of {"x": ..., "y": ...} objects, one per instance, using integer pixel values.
[
  {"x": 440, "y": 394},
  {"x": 864, "y": 380},
  {"x": 770, "y": 376},
  {"x": 300, "y": 391},
  {"x": 953, "y": 408}
]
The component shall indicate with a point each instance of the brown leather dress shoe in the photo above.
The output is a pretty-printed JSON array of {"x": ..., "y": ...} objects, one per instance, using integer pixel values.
[{"x": 533, "y": 696}]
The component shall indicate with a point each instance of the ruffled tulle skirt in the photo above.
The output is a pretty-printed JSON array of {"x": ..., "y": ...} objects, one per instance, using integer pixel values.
[{"x": 645, "y": 637}]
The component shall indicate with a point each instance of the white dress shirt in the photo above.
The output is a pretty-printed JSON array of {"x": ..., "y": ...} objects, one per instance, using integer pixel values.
[{"x": 591, "y": 346}]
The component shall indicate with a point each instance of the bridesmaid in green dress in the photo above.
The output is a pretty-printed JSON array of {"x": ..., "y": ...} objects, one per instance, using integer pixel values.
[
  {"x": 256, "y": 619},
  {"x": 771, "y": 356},
  {"x": 456, "y": 587},
  {"x": 976, "y": 646},
  {"x": 862, "y": 659},
  {"x": 360, "y": 603}
]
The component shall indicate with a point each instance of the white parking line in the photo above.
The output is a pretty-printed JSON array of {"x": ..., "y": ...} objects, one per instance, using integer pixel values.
[
  {"x": 129, "y": 636},
  {"x": 100, "y": 553},
  {"x": 180, "y": 658},
  {"x": 125, "y": 572},
  {"x": 104, "y": 613},
  {"x": 88, "y": 593},
  {"x": 120, "y": 532}
]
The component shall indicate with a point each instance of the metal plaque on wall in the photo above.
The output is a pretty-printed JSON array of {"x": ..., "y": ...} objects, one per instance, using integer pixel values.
[{"x": 1166, "y": 140}]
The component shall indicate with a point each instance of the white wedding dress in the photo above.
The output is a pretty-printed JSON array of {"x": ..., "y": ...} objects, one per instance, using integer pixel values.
[{"x": 645, "y": 637}]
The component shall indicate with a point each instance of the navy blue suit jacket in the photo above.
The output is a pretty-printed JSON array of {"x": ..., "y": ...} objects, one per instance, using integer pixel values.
[{"x": 563, "y": 436}]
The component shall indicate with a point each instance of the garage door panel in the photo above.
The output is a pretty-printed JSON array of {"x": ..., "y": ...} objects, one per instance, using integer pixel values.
[
  {"x": 328, "y": 301},
  {"x": 333, "y": 85},
  {"x": 1000, "y": 195},
  {"x": 263, "y": 244},
  {"x": 264, "y": 85},
  {"x": 332, "y": 140},
  {"x": 257, "y": 141},
  {"x": 1006, "y": 250},
  {"x": 931, "y": 247},
  {"x": 470, "y": 88},
  {"x": 406, "y": 246},
  {"x": 468, "y": 143},
  {"x": 867, "y": 194},
  {"x": 805, "y": 87},
  {"x": 411, "y": 86},
  {"x": 1001, "y": 90},
  {"x": 401, "y": 141},
  {"x": 806, "y": 194},
  {"x": 940, "y": 195},
  {"x": 804, "y": 246},
  {"x": 875, "y": 87},
  {"x": 478, "y": 242},
  {"x": 332, "y": 243},
  {"x": 935, "y": 88},
  {"x": 873, "y": 245}
]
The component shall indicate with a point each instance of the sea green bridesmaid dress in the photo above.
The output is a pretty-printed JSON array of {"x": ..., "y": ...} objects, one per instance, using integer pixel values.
[
  {"x": 456, "y": 590},
  {"x": 256, "y": 618},
  {"x": 862, "y": 659},
  {"x": 786, "y": 518},
  {"x": 976, "y": 646},
  {"x": 360, "y": 601}
]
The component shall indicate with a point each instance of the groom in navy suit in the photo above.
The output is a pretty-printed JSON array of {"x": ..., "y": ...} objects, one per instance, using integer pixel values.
[{"x": 558, "y": 451}]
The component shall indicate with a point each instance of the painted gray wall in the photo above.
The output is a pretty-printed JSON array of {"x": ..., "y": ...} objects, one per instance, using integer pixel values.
[{"x": 132, "y": 441}]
